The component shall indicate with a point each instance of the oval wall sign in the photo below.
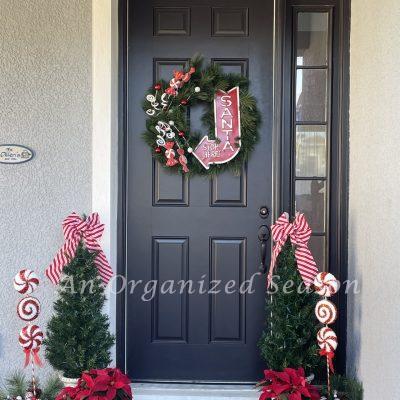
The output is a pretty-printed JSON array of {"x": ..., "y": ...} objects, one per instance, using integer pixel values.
[{"x": 15, "y": 154}]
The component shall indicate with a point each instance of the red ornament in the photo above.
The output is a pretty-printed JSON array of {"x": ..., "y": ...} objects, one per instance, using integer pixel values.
[
  {"x": 181, "y": 134},
  {"x": 158, "y": 150},
  {"x": 157, "y": 86},
  {"x": 184, "y": 102},
  {"x": 171, "y": 91}
]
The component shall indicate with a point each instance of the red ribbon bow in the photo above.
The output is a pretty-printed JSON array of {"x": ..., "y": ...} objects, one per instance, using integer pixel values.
[
  {"x": 76, "y": 229},
  {"x": 35, "y": 357},
  {"x": 329, "y": 356},
  {"x": 299, "y": 233}
]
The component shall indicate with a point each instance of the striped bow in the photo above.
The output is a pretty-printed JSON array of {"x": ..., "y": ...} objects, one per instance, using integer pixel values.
[
  {"x": 299, "y": 233},
  {"x": 76, "y": 229}
]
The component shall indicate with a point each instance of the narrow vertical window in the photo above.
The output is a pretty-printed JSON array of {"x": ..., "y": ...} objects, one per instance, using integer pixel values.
[{"x": 311, "y": 118}]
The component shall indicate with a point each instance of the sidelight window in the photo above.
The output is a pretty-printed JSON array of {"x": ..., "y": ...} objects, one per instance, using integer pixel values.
[
  {"x": 313, "y": 143},
  {"x": 311, "y": 123}
]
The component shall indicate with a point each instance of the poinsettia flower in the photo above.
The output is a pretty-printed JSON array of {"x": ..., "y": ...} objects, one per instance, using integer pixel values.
[
  {"x": 290, "y": 382},
  {"x": 96, "y": 372},
  {"x": 93, "y": 385},
  {"x": 118, "y": 381},
  {"x": 99, "y": 384},
  {"x": 68, "y": 393}
]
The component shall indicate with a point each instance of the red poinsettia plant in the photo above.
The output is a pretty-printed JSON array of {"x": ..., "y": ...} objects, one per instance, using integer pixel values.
[
  {"x": 99, "y": 384},
  {"x": 290, "y": 384}
]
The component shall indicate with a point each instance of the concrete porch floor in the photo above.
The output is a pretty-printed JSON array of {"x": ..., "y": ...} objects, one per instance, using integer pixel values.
[{"x": 177, "y": 391}]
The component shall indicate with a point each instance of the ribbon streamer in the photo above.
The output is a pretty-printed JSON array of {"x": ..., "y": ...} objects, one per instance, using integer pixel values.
[
  {"x": 299, "y": 233},
  {"x": 170, "y": 154},
  {"x": 35, "y": 357},
  {"x": 76, "y": 229},
  {"x": 329, "y": 357}
]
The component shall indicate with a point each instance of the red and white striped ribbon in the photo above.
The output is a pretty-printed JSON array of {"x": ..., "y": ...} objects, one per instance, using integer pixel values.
[
  {"x": 299, "y": 232},
  {"x": 75, "y": 229}
]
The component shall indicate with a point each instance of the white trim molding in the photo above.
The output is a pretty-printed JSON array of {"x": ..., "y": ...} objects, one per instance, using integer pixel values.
[{"x": 105, "y": 128}]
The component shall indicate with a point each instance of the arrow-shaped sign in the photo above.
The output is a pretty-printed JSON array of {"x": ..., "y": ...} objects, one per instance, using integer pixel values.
[{"x": 226, "y": 146}]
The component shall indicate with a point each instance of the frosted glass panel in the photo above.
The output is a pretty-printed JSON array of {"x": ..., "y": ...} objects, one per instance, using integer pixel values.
[
  {"x": 312, "y": 38},
  {"x": 310, "y": 199},
  {"x": 311, "y": 88},
  {"x": 311, "y": 150}
]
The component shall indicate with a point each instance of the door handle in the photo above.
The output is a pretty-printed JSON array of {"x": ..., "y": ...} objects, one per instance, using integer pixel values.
[{"x": 263, "y": 236}]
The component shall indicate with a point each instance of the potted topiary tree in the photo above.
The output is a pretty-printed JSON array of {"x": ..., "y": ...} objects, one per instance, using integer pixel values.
[
  {"x": 78, "y": 337},
  {"x": 289, "y": 338}
]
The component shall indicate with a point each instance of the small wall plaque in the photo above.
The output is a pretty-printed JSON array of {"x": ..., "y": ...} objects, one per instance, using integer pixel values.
[{"x": 15, "y": 154}]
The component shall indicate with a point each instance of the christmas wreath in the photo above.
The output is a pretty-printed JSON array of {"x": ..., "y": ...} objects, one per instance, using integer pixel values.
[{"x": 231, "y": 119}]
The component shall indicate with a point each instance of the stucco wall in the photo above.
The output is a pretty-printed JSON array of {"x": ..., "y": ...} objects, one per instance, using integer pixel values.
[
  {"x": 45, "y": 103},
  {"x": 374, "y": 314}
]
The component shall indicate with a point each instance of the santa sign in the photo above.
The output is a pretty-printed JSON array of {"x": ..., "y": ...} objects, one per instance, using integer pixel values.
[{"x": 226, "y": 144}]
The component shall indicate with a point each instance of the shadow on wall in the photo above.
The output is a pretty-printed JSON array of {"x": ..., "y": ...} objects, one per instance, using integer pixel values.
[
  {"x": 354, "y": 304},
  {"x": 1, "y": 345}
]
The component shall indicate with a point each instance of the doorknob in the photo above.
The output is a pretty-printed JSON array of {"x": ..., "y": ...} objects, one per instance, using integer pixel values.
[{"x": 263, "y": 236}]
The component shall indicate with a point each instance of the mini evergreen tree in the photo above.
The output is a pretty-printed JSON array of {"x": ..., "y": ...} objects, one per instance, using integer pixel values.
[
  {"x": 78, "y": 336},
  {"x": 290, "y": 336}
]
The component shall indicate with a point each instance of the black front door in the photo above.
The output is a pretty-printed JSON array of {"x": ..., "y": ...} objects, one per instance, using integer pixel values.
[{"x": 196, "y": 229}]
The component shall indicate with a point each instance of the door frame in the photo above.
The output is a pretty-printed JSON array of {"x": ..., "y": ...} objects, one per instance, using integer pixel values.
[{"x": 282, "y": 148}]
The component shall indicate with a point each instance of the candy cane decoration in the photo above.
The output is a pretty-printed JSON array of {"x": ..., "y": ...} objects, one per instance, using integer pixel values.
[{"x": 326, "y": 285}]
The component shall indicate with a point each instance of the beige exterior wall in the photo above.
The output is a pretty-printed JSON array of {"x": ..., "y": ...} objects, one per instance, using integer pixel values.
[
  {"x": 46, "y": 104},
  {"x": 374, "y": 314}
]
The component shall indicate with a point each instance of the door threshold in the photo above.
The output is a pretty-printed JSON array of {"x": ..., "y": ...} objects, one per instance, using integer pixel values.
[{"x": 185, "y": 391}]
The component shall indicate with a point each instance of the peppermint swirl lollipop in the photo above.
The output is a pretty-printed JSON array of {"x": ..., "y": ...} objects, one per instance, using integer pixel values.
[
  {"x": 326, "y": 284},
  {"x": 327, "y": 339},
  {"x": 326, "y": 312},
  {"x": 28, "y": 308},
  {"x": 26, "y": 281},
  {"x": 30, "y": 337}
]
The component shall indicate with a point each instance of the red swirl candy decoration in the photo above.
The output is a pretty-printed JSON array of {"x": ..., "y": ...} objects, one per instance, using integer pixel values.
[
  {"x": 326, "y": 284},
  {"x": 26, "y": 281},
  {"x": 328, "y": 342},
  {"x": 30, "y": 339},
  {"x": 326, "y": 312},
  {"x": 327, "y": 339},
  {"x": 28, "y": 308}
]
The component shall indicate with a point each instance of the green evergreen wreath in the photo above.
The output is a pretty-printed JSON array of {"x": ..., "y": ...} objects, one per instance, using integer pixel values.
[{"x": 167, "y": 126}]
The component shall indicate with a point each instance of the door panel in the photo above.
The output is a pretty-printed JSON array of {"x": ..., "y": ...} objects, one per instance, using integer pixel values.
[{"x": 196, "y": 229}]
